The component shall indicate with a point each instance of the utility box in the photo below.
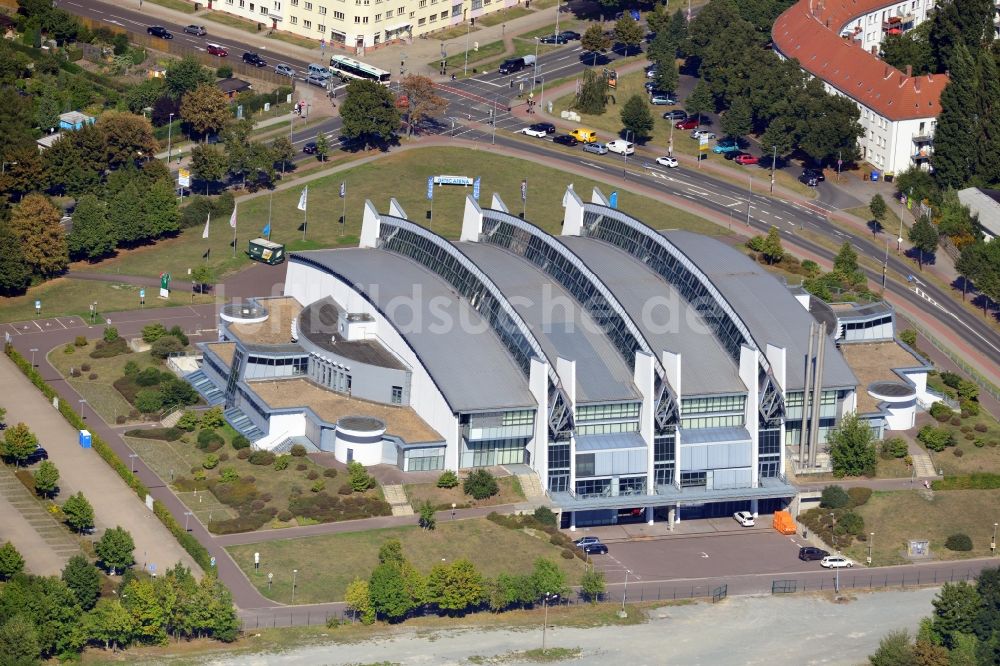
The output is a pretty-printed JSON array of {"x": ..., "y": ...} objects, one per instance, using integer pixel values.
[
  {"x": 266, "y": 252},
  {"x": 85, "y": 439}
]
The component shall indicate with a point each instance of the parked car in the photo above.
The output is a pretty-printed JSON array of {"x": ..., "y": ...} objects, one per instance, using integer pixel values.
[
  {"x": 698, "y": 133},
  {"x": 650, "y": 85},
  {"x": 727, "y": 147},
  {"x": 662, "y": 99},
  {"x": 284, "y": 70},
  {"x": 744, "y": 518},
  {"x": 621, "y": 147},
  {"x": 595, "y": 549},
  {"x": 675, "y": 114},
  {"x": 36, "y": 456},
  {"x": 580, "y": 543},
  {"x": 565, "y": 139},
  {"x": 318, "y": 81},
  {"x": 309, "y": 148},
  {"x": 553, "y": 39},
  {"x": 651, "y": 71},
  {"x": 814, "y": 173},
  {"x": 570, "y": 35},
  {"x": 836, "y": 562},
  {"x": 159, "y": 31},
  {"x": 810, "y": 553},
  {"x": 809, "y": 180},
  {"x": 667, "y": 161},
  {"x": 254, "y": 59},
  {"x": 584, "y": 135},
  {"x": 216, "y": 50},
  {"x": 597, "y": 148},
  {"x": 746, "y": 159},
  {"x": 196, "y": 30},
  {"x": 687, "y": 124},
  {"x": 733, "y": 155},
  {"x": 539, "y": 129}
]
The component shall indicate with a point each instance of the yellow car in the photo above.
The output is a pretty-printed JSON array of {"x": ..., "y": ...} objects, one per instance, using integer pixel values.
[{"x": 584, "y": 135}]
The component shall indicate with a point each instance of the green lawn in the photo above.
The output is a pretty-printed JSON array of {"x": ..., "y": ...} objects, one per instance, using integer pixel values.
[
  {"x": 897, "y": 517},
  {"x": 503, "y": 16},
  {"x": 443, "y": 498},
  {"x": 67, "y": 296},
  {"x": 451, "y": 32},
  {"x": 230, "y": 20},
  {"x": 327, "y": 564},
  {"x": 490, "y": 50},
  {"x": 297, "y": 40},
  {"x": 407, "y": 172},
  {"x": 178, "y": 5},
  {"x": 974, "y": 458}
]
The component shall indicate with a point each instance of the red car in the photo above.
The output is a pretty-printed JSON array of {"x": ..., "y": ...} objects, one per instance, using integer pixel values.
[
  {"x": 216, "y": 50},
  {"x": 745, "y": 159},
  {"x": 690, "y": 123}
]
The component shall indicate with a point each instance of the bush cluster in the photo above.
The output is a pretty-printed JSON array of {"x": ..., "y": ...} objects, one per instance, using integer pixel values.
[
  {"x": 208, "y": 438},
  {"x": 481, "y": 484},
  {"x": 240, "y": 442},
  {"x": 542, "y": 520},
  {"x": 941, "y": 412},
  {"x": 958, "y": 542},
  {"x": 297, "y": 450},
  {"x": 104, "y": 349},
  {"x": 448, "y": 479},
  {"x": 894, "y": 447},
  {"x": 240, "y": 495},
  {"x": 165, "y": 434},
  {"x": 935, "y": 439},
  {"x": 837, "y": 527},
  {"x": 261, "y": 458},
  {"x": 326, "y": 508}
]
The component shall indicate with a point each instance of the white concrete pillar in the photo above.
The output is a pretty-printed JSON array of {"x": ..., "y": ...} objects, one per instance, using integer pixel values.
[
  {"x": 753, "y": 507},
  {"x": 672, "y": 517},
  {"x": 649, "y": 515},
  {"x": 572, "y": 521}
]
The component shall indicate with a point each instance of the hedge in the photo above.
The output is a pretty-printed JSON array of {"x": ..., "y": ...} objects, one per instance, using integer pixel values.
[
  {"x": 978, "y": 481},
  {"x": 197, "y": 551}
]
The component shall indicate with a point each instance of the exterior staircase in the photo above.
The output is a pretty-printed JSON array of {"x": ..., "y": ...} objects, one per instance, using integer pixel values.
[
  {"x": 243, "y": 425},
  {"x": 531, "y": 485},
  {"x": 396, "y": 497},
  {"x": 206, "y": 387},
  {"x": 923, "y": 466},
  {"x": 55, "y": 536},
  {"x": 171, "y": 419}
]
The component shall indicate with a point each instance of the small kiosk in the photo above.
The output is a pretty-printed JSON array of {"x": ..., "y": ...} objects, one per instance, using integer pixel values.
[{"x": 266, "y": 252}]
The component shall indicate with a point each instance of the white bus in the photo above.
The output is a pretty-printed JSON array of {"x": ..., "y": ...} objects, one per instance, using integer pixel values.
[{"x": 348, "y": 68}]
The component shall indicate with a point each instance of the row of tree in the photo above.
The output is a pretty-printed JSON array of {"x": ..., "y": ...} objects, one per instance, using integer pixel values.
[{"x": 397, "y": 590}]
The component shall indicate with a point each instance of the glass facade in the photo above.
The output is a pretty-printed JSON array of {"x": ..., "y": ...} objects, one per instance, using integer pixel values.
[
  {"x": 632, "y": 485},
  {"x": 726, "y": 421},
  {"x": 694, "y": 479},
  {"x": 607, "y": 418},
  {"x": 234, "y": 376},
  {"x": 330, "y": 375},
  {"x": 558, "y": 467},
  {"x": 664, "y": 459},
  {"x": 485, "y": 453},
  {"x": 270, "y": 367},
  {"x": 769, "y": 452},
  {"x": 423, "y": 460},
  {"x": 726, "y": 411},
  {"x": 593, "y": 488}
]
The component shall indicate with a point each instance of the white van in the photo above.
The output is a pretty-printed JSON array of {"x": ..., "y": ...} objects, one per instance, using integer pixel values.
[{"x": 319, "y": 70}]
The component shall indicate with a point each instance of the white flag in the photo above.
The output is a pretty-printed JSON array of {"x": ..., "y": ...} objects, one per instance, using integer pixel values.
[
  {"x": 204, "y": 234},
  {"x": 303, "y": 198},
  {"x": 232, "y": 218}
]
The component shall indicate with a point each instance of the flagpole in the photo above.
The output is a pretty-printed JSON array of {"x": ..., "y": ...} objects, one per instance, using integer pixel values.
[
  {"x": 270, "y": 200},
  {"x": 343, "y": 216}
]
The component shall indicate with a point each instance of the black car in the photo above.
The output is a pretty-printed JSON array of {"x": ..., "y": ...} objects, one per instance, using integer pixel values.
[
  {"x": 36, "y": 456},
  {"x": 309, "y": 148},
  {"x": 254, "y": 59},
  {"x": 595, "y": 549},
  {"x": 553, "y": 39},
  {"x": 733, "y": 154},
  {"x": 810, "y": 553},
  {"x": 816, "y": 174},
  {"x": 159, "y": 31},
  {"x": 565, "y": 139},
  {"x": 569, "y": 35},
  {"x": 675, "y": 114},
  {"x": 548, "y": 128}
]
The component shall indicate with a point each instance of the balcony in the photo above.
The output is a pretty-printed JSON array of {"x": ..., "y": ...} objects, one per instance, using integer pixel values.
[
  {"x": 923, "y": 136},
  {"x": 922, "y": 153}
]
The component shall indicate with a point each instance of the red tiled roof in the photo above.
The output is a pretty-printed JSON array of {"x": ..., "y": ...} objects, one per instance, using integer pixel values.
[{"x": 809, "y": 31}]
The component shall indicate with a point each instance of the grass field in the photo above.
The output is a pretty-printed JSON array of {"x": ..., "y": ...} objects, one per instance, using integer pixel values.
[
  {"x": 407, "y": 172},
  {"x": 974, "y": 458},
  {"x": 354, "y": 555},
  {"x": 485, "y": 52},
  {"x": 178, "y": 5},
  {"x": 443, "y": 498},
  {"x": 503, "y": 16},
  {"x": 230, "y": 20},
  {"x": 897, "y": 517},
  {"x": 68, "y": 296}
]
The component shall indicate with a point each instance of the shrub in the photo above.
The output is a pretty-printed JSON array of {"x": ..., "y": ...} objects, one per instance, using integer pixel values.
[
  {"x": 208, "y": 436},
  {"x": 85, "y": 367},
  {"x": 894, "y": 447},
  {"x": 566, "y": 554},
  {"x": 110, "y": 334},
  {"x": 165, "y": 346},
  {"x": 165, "y": 434},
  {"x": 941, "y": 412},
  {"x": 951, "y": 379},
  {"x": 448, "y": 479},
  {"x": 481, "y": 484},
  {"x": 935, "y": 439},
  {"x": 834, "y": 497},
  {"x": 261, "y": 458},
  {"x": 281, "y": 463},
  {"x": 298, "y": 450},
  {"x": 80, "y": 341},
  {"x": 545, "y": 516},
  {"x": 284, "y": 515},
  {"x": 970, "y": 408},
  {"x": 148, "y": 400},
  {"x": 147, "y": 377},
  {"x": 979, "y": 443},
  {"x": 312, "y": 475},
  {"x": 956, "y": 421},
  {"x": 968, "y": 437},
  {"x": 302, "y": 467},
  {"x": 179, "y": 333},
  {"x": 228, "y": 475},
  {"x": 74, "y": 372},
  {"x": 243, "y": 454},
  {"x": 958, "y": 453},
  {"x": 240, "y": 442},
  {"x": 92, "y": 376},
  {"x": 131, "y": 369},
  {"x": 358, "y": 477},
  {"x": 330, "y": 473},
  {"x": 211, "y": 461},
  {"x": 224, "y": 72},
  {"x": 153, "y": 332},
  {"x": 120, "y": 419},
  {"x": 958, "y": 542},
  {"x": 345, "y": 489},
  {"x": 213, "y": 418},
  {"x": 980, "y": 427},
  {"x": 69, "y": 348},
  {"x": 223, "y": 457},
  {"x": 859, "y": 496},
  {"x": 109, "y": 349},
  {"x": 189, "y": 421},
  {"x": 318, "y": 486},
  {"x": 267, "y": 497}
]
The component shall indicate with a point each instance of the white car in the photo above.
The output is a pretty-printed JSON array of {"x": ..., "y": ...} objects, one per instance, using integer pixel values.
[
  {"x": 835, "y": 562},
  {"x": 621, "y": 147},
  {"x": 670, "y": 162},
  {"x": 531, "y": 131},
  {"x": 698, "y": 133},
  {"x": 744, "y": 518}
]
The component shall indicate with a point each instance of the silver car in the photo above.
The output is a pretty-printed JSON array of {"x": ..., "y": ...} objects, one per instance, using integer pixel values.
[
  {"x": 196, "y": 30},
  {"x": 284, "y": 70},
  {"x": 318, "y": 81},
  {"x": 597, "y": 148}
]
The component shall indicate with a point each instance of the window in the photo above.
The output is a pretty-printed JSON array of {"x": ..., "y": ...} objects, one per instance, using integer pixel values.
[
  {"x": 263, "y": 10},
  {"x": 294, "y": 20},
  {"x": 477, "y": 4},
  {"x": 378, "y": 17},
  {"x": 295, "y": 3},
  {"x": 242, "y": 4},
  {"x": 399, "y": 12},
  {"x": 338, "y": 16},
  {"x": 419, "y": 22},
  {"x": 632, "y": 485},
  {"x": 585, "y": 464},
  {"x": 456, "y": 10},
  {"x": 309, "y": 6},
  {"x": 277, "y": 6},
  {"x": 423, "y": 3},
  {"x": 252, "y": 8},
  {"x": 322, "y": 11},
  {"x": 321, "y": 28},
  {"x": 434, "y": 18},
  {"x": 593, "y": 488},
  {"x": 364, "y": 19},
  {"x": 444, "y": 15},
  {"x": 693, "y": 479},
  {"x": 397, "y": 395},
  {"x": 307, "y": 24},
  {"x": 611, "y": 411}
]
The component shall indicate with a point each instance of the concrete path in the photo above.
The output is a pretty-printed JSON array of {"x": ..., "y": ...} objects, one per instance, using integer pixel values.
[
  {"x": 83, "y": 470},
  {"x": 43, "y": 543}
]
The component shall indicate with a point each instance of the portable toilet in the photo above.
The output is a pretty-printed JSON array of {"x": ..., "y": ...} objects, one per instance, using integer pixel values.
[
  {"x": 85, "y": 439},
  {"x": 266, "y": 252}
]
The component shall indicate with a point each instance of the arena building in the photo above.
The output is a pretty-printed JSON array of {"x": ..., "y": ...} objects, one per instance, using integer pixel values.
[{"x": 638, "y": 373}]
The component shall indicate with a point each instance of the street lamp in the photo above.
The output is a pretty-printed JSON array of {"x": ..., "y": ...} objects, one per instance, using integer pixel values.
[
  {"x": 33, "y": 350},
  {"x": 82, "y": 415},
  {"x": 546, "y": 600},
  {"x": 749, "y": 194},
  {"x": 187, "y": 517},
  {"x": 993, "y": 544},
  {"x": 453, "y": 507},
  {"x": 871, "y": 545},
  {"x": 294, "y": 574},
  {"x": 535, "y": 74},
  {"x": 622, "y": 612},
  {"x": 131, "y": 460},
  {"x": 465, "y": 68},
  {"x": 625, "y": 153},
  {"x": 170, "y": 127}
]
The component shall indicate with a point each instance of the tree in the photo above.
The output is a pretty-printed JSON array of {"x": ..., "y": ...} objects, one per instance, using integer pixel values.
[
  {"x": 209, "y": 164},
  {"x": 700, "y": 100},
  {"x": 593, "y": 94},
  {"x": 11, "y": 562},
  {"x": 455, "y": 587},
  {"x": 422, "y": 100},
  {"x": 666, "y": 75},
  {"x": 115, "y": 549},
  {"x": 83, "y": 579},
  {"x": 878, "y": 209},
  {"x": 79, "y": 513},
  {"x": 924, "y": 237},
  {"x": 322, "y": 147},
  {"x": 369, "y": 114},
  {"x": 629, "y": 33},
  {"x": 772, "y": 249},
  {"x": 128, "y": 137},
  {"x": 895, "y": 649},
  {"x": 387, "y": 592},
  {"x": 36, "y": 224},
  {"x": 159, "y": 211},
  {"x": 480, "y": 484},
  {"x": 737, "y": 120},
  {"x": 926, "y": 653},
  {"x": 548, "y": 578},
  {"x": 206, "y": 109},
  {"x": 852, "y": 447},
  {"x": 956, "y": 607},
  {"x": 149, "y": 616},
  {"x": 203, "y": 275},
  {"x": 987, "y": 620},
  {"x": 592, "y": 584},
  {"x": 981, "y": 263},
  {"x": 427, "y": 519},
  {"x": 594, "y": 41},
  {"x": 358, "y": 476},
  {"x": 956, "y": 132},
  {"x": 636, "y": 118},
  {"x": 66, "y": 170},
  {"x": 18, "y": 442},
  {"x": 92, "y": 236},
  {"x": 911, "y": 48},
  {"x": 144, "y": 95},
  {"x": 663, "y": 48},
  {"x": 25, "y": 172},
  {"x": 46, "y": 479},
  {"x": 15, "y": 273},
  {"x": 184, "y": 75},
  {"x": 357, "y": 599},
  {"x": 110, "y": 623},
  {"x": 283, "y": 151},
  {"x": 834, "y": 497}
]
